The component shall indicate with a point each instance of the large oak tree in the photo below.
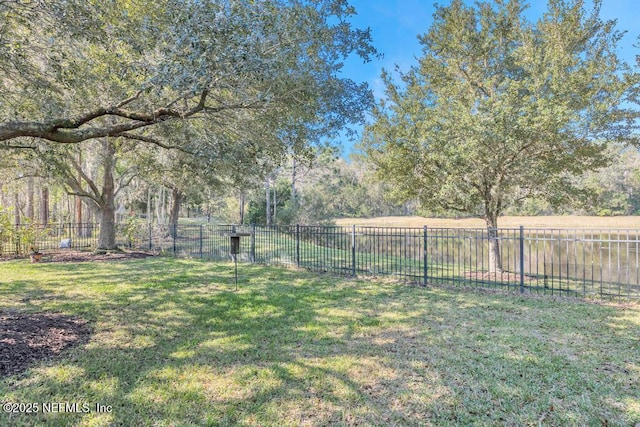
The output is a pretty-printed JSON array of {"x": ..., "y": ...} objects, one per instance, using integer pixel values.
[
  {"x": 78, "y": 70},
  {"x": 500, "y": 109}
]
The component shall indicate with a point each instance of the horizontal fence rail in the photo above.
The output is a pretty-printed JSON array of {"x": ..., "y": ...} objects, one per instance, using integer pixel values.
[{"x": 574, "y": 262}]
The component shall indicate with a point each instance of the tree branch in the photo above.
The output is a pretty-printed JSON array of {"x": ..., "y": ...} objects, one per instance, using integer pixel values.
[
  {"x": 124, "y": 183},
  {"x": 474, "y": 83},
  {"x": 129, "y": 100},
  {"x": 449, "y": 206},
  {"x": 68, "y": 131},
  {"x": 7, "y": 146},
  {"x": 84, "y": 194},
  {"x": 84, "y": 176},
  {"x": 154, "y": 141}
]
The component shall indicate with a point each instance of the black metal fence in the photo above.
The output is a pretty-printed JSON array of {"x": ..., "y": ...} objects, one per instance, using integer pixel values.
[
  {"x": 599, "y": 263},
  {"x": 24, "y": 238}
]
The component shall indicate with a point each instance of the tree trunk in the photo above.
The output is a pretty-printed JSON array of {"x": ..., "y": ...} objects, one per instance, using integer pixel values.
[
  {"x": 16, "y": 207},
  {"x": 160, "y": 205},
  {"x": 176, "y": 202},
  {"x": 30, "y": 197},
  {"x": 268, "y": 204},
  {"x": 149, "y": 212},
  {"x": 275, "y": 207},
  {"x": 242, "y": 203},
  {"x": 79, "y": 218},
  {"x": 294, "y": 198},
  {"x": 495, "y": 261},
  {"x": 157, "y": 199},
  {"x": 60, "y": 208},
  {"x": 107, "y": 238},
  {"x": 68, "y": 214},
  {"x": 44, "y": 205}
]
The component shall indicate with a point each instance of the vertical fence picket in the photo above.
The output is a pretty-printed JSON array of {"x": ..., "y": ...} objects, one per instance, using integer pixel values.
[
  {"x": 174, "y": 233},
  {"x": 353, "y": 250},
  {"x": 253, "y": 243},
  {"x": 424, "y": 255},
  {"x": 553, "y": 260},
  {"x": 298, "y": 245},
  {"x": 521, "y": 259}
]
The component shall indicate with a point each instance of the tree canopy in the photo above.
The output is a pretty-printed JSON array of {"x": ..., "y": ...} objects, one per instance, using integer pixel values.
[
  {"x": 75, "y": 70},
  {"x": 500, "y": 109}
]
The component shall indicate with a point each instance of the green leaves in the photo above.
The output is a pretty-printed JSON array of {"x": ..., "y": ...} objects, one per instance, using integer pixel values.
[
  {"x": 500, "y": 109},
  {"x": 168, "y": 60}
]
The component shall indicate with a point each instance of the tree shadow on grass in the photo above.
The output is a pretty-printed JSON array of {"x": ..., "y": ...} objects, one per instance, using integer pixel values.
[{"x": 295, "y": 348}]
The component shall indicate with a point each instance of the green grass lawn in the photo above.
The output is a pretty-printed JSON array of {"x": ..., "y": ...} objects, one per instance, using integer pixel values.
[{"x": 174, "y": 345}]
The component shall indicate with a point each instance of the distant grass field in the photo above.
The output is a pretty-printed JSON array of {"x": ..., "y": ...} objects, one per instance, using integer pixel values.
[
  {"x": 174, "y": 345},
  {"x": 631, "y": 222}
]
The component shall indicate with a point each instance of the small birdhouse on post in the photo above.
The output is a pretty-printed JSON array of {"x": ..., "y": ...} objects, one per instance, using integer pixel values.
[
  {"x": 234, "y": 244},
  {"x": 234, "y": 249}
]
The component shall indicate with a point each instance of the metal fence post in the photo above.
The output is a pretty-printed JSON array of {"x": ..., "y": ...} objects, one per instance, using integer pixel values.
[
  {"x": 521, "y": 259},
  {"x": 353, "y": 250},
  {"x": 424, "y": 255},
  {"x": 233, "y": 231},
  {"x": 175, "y": 236},
  {"x": 201, "y": 238},
  {"x": 16, "y": 237},
  {"x": 297, "y": 245},
  {"x": 150, "y": 238},
  {"x": 253, "y": 243}
]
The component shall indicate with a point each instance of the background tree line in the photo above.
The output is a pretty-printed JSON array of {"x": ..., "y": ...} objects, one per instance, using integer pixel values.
[{"x": 321, "y": 189}]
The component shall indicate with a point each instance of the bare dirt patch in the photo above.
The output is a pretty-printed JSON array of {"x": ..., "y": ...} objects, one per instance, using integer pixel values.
[{"x": 28, "y": 338}]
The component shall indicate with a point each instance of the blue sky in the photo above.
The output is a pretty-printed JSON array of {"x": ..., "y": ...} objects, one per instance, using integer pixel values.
[{"x": 395, "y": 25}]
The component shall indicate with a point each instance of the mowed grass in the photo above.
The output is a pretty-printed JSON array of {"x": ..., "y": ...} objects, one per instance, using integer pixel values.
[
  {"x": 174, "y": 345},
  {"x": 560, "y": 221}
]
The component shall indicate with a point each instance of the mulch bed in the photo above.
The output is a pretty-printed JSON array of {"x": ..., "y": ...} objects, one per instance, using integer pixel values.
[
  {"x": 85, "y": 256},
  {"x": 28, "y": 338},
  {"x": 73, "y": 256}
]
